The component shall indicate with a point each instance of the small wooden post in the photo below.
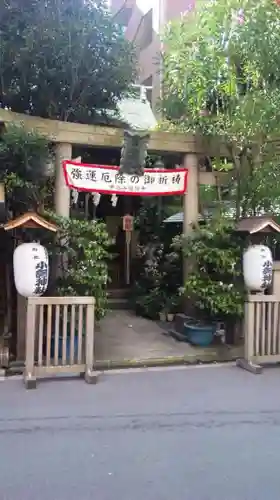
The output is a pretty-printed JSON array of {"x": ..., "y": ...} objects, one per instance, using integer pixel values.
[
  {"x": 91, "y": 375},
  {"x": 276, "y": 279},
  {"x": 249, "y": 334},
  {"x": 21, "y": 327},
  {"x": 127, "y": 257},
  {"x": 127, "y": 228},
  {"x": 29, "y": 378}
]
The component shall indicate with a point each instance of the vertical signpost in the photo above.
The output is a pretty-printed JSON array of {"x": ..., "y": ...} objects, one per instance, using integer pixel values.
[{"x": 127, "y": 228}]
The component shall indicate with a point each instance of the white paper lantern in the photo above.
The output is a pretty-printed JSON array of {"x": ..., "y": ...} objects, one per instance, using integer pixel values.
[
  {"x": 31, "y": 269},
  {"x": 257, "y": 267}
]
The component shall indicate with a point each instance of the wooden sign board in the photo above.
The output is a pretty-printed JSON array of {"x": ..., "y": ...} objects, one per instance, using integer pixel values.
[{"x": 128, "y": 223}]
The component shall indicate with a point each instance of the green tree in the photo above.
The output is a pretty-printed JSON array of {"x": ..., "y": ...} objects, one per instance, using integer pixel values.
[
  {"x": 222, "y": 80},
  {"x": 24, "y": 160},
  {"x": 63, "y": 59},
  {"x": 86, "y": 254},
  {"x": 216, "y": 286}
]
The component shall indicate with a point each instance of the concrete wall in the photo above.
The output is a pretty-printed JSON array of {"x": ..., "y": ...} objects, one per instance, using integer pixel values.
[{"x": 144, "y": 22}]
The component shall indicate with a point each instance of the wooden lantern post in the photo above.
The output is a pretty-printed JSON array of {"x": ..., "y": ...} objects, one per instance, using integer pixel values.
[
  {"x": 128, "y": 228},
  {"x": 255, "y": 229},
  {"x": 29, "y": 220}
]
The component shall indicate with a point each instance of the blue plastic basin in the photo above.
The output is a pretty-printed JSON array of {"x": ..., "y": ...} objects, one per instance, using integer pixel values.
[
  {"x": 68, "y": 347},
  {"x": 199, "y": 335}
]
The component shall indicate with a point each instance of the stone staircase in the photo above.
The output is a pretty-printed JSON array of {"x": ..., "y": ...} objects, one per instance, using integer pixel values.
[{"x": 118, "y": 299}]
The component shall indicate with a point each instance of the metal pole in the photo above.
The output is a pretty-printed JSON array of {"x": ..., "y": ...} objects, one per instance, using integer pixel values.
[{"x": 127, "y": 257}]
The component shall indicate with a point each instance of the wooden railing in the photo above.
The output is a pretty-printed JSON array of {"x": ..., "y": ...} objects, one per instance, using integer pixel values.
[
  {"x": 261, "y": 332},
  {"x": 59, "y": 338}
]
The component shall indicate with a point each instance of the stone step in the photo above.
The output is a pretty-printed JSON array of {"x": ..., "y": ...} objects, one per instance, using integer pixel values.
[
  {"x": 118, "y": 293},
  {"x": 118, "y": 303}
]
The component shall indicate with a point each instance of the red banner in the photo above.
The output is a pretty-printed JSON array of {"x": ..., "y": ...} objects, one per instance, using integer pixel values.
[{"x": 108, "y": 180}]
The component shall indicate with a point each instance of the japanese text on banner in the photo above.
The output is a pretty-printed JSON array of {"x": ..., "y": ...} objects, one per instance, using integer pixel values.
[{"x": 109, "y": 180}]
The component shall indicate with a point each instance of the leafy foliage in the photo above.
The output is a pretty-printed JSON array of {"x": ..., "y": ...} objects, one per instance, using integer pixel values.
[
  {"x": 148, "y": 297},
  {"x": 157, "y": 281},
  {"x": 221, "y": 76},
  {"x": 215, "y": 285},
  {"x": 81, "y": 248},
  {"x": 221, "y": 79},
  {"x": 24, "y": 156},
  {"x": 157, "y": 269},
  {"x": 24, "y": 153},
  {"x": 63, "y": 59}
]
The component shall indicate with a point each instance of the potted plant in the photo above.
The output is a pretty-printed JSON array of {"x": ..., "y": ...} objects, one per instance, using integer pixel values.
[
  {"x": 214, "y": 286},
  {"x": 199, "y": 334},
  {"x": 165, "y": 305},
  {"x": 162, "y": 315},
  {"x": 170, "y": 317},
  {"x": 169, "y": 309},
  {"x": 172, "y": 306},
  {"x": 162, "y": 304}
]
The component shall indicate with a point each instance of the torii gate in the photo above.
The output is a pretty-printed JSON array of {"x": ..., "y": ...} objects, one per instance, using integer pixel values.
[{"x": 65, "y": 135}]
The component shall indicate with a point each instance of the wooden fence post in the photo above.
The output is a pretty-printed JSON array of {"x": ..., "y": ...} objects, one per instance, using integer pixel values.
[
  {"x": 29, "y": 378},
  {"x": 249, "y": 334},
  {"x": 91, "y": 375}
]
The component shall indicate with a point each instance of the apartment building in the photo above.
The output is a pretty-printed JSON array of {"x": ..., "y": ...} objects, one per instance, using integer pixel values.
[{"x": 143, "y": 21}]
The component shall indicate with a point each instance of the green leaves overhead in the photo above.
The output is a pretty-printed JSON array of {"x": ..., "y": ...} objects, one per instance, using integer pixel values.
[
  {"x": 222, "y": 79},
  {"x": 62, "y": 59},
  {"x": 23, "y": 153},
  {"x": 25, "y": 168},
  {"x": 222, "y": 70}
]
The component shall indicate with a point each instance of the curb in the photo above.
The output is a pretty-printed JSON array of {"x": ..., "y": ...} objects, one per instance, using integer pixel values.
[{"x": 224, "y": 355}]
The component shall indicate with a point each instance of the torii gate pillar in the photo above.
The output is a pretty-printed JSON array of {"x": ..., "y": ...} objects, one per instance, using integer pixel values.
[{"x": 191, "y": 199}]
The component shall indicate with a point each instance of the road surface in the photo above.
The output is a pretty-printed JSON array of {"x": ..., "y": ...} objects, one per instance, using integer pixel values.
[{"x": 179, "y": 434}]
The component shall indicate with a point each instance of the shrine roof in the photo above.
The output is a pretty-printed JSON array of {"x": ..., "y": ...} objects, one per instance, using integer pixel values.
[
  {"x": 258, "y": 224},
  {"x": 30, "y": 220}
]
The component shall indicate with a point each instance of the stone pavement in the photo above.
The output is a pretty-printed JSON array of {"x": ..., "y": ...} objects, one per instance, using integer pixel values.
[{"x": 122, "y": 337}]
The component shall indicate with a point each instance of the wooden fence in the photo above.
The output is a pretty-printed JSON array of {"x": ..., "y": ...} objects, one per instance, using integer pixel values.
[
  {"x": 59, "y": 338},
  {"x": 261, "y": 332}
]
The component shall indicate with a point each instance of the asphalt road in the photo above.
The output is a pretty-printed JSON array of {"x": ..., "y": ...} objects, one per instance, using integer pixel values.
[{"x": 184, "y": 434}]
